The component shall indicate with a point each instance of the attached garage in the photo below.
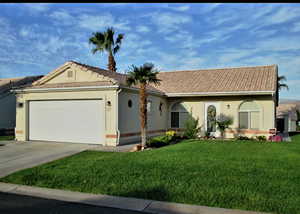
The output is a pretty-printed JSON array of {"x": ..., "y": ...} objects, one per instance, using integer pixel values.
[{"x": 76, "y": 121}]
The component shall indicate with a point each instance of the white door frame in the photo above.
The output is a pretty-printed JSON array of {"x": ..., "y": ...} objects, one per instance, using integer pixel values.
[{"x": 217, "y": 105}]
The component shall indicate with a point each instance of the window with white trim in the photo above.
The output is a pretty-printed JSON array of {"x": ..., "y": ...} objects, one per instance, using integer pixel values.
[
  {"x": 178, "y": 115},
  {"x": 249, "y": 115}
]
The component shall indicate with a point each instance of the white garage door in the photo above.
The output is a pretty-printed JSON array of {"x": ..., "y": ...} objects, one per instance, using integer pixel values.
[{"x": 76, "y": 121}]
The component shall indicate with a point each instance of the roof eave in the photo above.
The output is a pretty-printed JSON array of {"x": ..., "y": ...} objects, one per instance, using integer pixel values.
[
  {"x": 65, "y": 89},
  {"x": 205, "y": 94}
]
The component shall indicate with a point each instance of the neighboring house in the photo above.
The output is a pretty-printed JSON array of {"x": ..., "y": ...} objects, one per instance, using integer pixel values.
[
  {"x": 81, "y": 103},
  {"x": 287, "y": 117},
  {"x": 8, "y": 100}
]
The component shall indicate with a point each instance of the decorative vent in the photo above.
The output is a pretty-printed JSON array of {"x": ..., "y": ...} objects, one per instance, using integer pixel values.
[{"x": 70, "y": 74}]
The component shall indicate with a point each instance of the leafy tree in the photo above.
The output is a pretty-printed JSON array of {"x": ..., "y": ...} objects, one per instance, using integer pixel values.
[
  {"x": 105, "y": 41},
  {"x": 142, "y": 76}
]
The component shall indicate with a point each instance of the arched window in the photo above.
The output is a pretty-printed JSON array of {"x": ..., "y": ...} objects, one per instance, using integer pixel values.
[
  {"x": 249, "y": 115},
  {"x": 178, "y": 115}
]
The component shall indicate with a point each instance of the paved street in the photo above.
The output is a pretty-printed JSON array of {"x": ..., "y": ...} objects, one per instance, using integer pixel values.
[
  {"x": 16, "y": 156},
  {"x": 16, "y": 204}
]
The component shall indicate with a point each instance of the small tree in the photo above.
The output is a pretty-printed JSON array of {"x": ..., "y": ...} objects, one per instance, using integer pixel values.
[
  {"x": 191, "y": 128},
  {"x": 143, "y": 76},
  {"x": 223, "y": 122}
]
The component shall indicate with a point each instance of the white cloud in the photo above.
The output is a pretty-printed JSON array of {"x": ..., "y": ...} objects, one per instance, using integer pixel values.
[
  {"x": 296, "y": 27},
  {"x": 208, "y": 7},
  {"x": 169, "y": 22},
  {"x": 282, "y": 15},
  {"x": 63, "y": 17},
  {"x": 279, "y": 44},
  {"x": 96, "y": 23},
  {"x": 7, "y": 36},
  {"x": 231, "y": 55},
  {"x": 134, "y": 45},
  {"x": 142, "y": 29},
  {"x": 37, "y": 7},
  {"x": 182, "y": 8}
]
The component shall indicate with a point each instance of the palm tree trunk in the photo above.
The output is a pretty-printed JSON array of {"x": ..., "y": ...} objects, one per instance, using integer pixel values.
[
  {"x": 143, "y": 114},
  {"x": 111, "y": 63}
]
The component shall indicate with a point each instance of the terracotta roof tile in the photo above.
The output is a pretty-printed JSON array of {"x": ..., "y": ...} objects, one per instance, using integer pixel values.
[
  {"x": 258, "y": 78},
  {"x": 241, "y": 79}
]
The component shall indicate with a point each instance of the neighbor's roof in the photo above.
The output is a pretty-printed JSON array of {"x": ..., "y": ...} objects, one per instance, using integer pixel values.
[
  {"x": 285, "y": 108},
  {"x": 241, "y": 79},
  {"x": 6, "y": 84}
]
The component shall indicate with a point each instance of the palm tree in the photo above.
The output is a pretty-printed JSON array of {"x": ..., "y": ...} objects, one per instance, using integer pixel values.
[
  {"x": 143, "y": 76},
  {"x": 104, "y": 41},
  {"x": 281, "y": 85}
]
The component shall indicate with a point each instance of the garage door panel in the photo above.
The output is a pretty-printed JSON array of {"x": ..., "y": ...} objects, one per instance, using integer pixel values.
[{"x": 78, "y": 121}]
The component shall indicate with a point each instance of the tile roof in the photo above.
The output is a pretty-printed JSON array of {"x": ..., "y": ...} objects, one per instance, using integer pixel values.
[
  {"x": 241, "y": 79},
  {"x": 288, "y": 108},
  {"x": 7, "y": 84},
  {"x": 258, "y": 78}
]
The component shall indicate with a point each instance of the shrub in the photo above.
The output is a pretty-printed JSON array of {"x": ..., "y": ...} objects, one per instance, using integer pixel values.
[
  {"x": 261, "y": 138},
  {"x": 171, "y": 133},
  {"x": 243, "y": 138},
  {"x": 159, "y": 141},
  {"x": 223, "y": 122},
  {"x": 191, "y": 128}
]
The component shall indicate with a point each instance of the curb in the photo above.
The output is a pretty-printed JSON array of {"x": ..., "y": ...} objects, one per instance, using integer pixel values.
[{"x": 135, "y": 204}]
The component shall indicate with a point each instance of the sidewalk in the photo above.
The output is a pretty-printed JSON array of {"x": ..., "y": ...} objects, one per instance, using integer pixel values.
[{"x": 135, "y": 204}]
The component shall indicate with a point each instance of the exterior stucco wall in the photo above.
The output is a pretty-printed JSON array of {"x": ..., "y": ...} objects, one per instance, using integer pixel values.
[
  {"x": 7, "y": 111},
  {"x": 129, "y": 120},
  {"x": 196, "y": 106},
  {"x": 21, "y": 129}
]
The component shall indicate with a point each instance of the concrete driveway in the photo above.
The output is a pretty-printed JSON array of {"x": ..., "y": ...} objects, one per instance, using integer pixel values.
[{"x": 21, "y": 155}]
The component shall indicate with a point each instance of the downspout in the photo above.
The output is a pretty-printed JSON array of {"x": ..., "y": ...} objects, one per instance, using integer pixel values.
[{"x": 117, "y": 116}]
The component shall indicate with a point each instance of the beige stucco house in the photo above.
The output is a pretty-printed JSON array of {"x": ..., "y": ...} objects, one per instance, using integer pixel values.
[
  {"x": 85, "y": 104},
  {"x": 286, "y": 114},
  {"x": 8, "y": 101}
]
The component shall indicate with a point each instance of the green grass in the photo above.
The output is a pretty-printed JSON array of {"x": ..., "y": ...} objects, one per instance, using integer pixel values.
[
  {"x": 6, "y": 138},
  {"x": 259, "y": 176}
]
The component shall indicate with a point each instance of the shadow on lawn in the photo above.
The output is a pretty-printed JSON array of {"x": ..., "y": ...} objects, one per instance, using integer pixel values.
[{"x": 156, "y": 193}]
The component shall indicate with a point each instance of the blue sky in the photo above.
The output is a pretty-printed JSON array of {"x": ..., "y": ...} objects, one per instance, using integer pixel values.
[{"x": 37, "y": 38}]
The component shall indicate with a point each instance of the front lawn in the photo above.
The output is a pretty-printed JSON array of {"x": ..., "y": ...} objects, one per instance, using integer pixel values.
[{"x": 260, "y": 176}]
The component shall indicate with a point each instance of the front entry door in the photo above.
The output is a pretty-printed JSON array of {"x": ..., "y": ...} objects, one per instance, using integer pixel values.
[{"x": 211, "y": 113}]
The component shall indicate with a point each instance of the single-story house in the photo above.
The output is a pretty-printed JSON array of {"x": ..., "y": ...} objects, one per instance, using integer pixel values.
[
  {"x": 8, "y": 101},
  {"x": 287, "y": 117},
  {"x": 85, "y": 104}
]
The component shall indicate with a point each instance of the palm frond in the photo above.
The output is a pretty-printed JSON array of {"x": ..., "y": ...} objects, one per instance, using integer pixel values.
[
  {"x": 116, "y": 49},
  {"x": 283, "y": 85},
  {"x": 144, "y": 74},
  {"x": 281, "y": 78},
  {"x": 119, "y": 39},
  {"x": 95, "y": 50}
]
